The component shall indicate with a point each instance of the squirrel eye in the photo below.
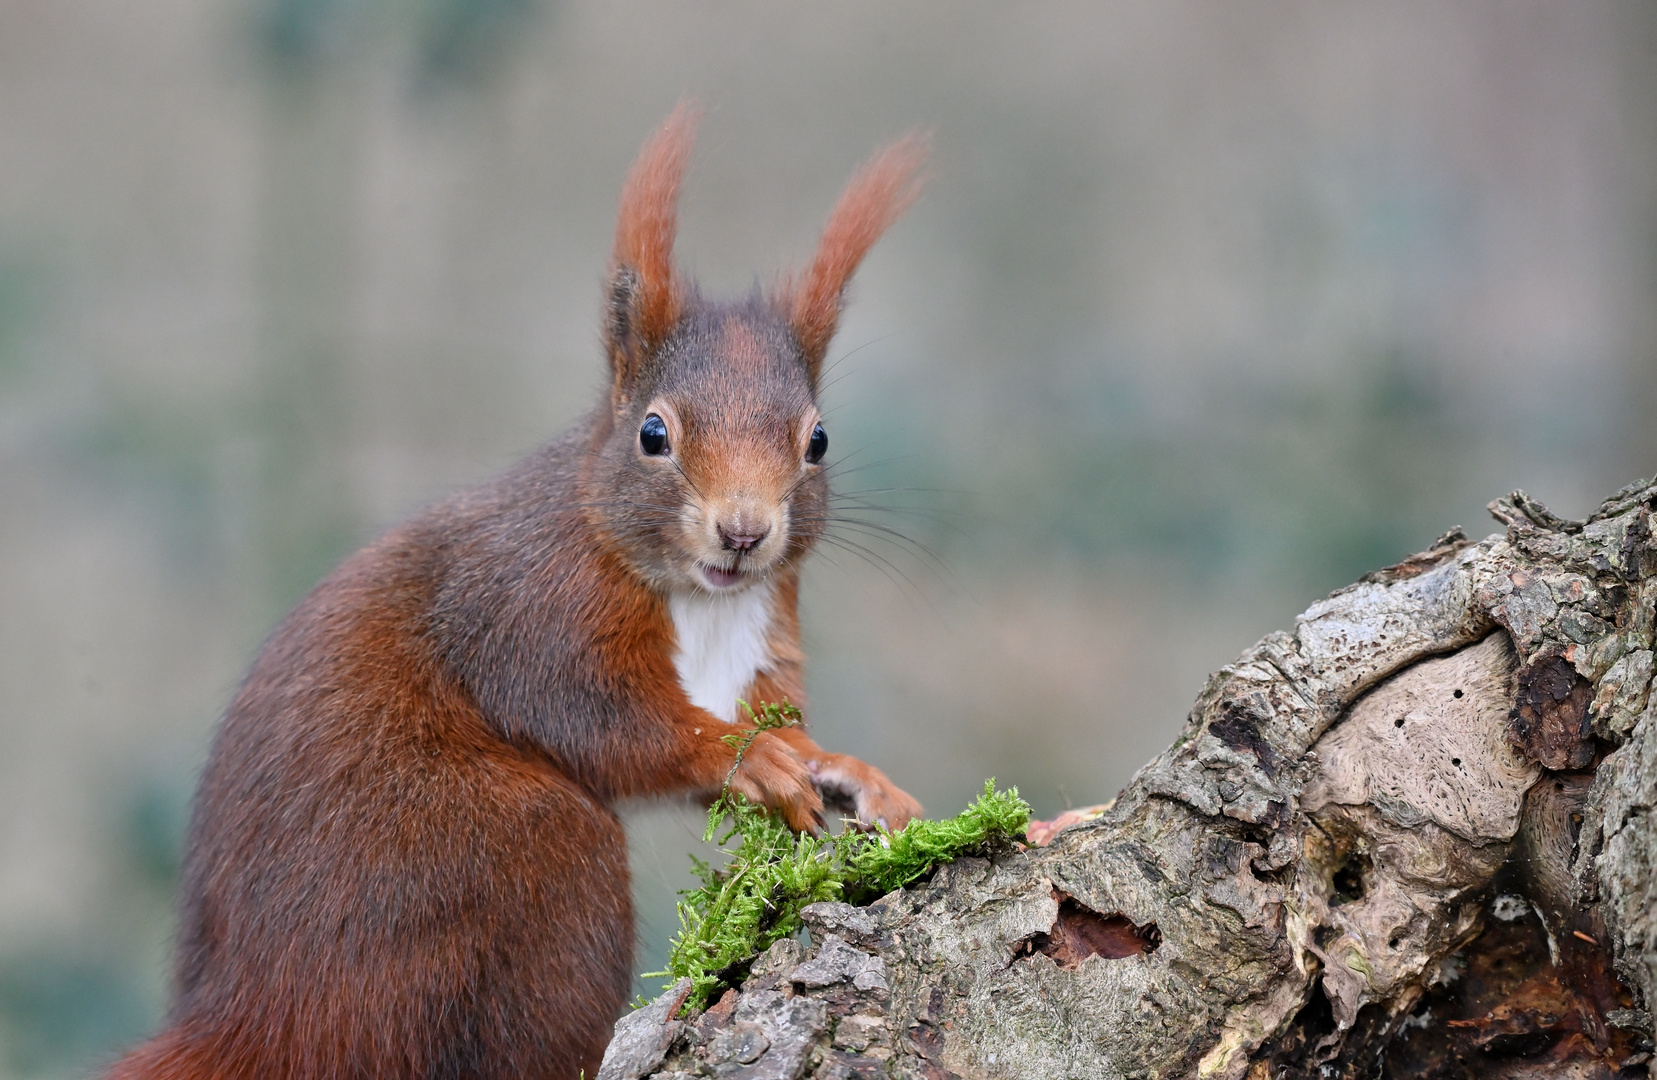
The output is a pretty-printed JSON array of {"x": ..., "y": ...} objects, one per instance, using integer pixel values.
[
  {"x": 818, "y": 446},
  {"x": 653, "y": 436}
]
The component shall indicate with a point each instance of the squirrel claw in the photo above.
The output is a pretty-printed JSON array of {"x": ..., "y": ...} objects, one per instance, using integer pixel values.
[{"x": 873, "y": 797}]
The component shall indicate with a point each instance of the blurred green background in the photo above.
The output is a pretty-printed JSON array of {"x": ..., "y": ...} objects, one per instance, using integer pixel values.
[{"x": 1209, "y": 308}]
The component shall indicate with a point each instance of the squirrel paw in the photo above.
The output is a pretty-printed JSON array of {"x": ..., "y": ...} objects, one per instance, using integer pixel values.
[
  {"x": 772, "y": 774},
  {"x": 874, "y": 798}
]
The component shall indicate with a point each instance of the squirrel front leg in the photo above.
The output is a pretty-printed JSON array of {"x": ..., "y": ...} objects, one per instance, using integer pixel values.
[
  {"x": 768, "y": 771},
  {"x": 875, "y": 799},
  {"x": 772, "y": 772}
]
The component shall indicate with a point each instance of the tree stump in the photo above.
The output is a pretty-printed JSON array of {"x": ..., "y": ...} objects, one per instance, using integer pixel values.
[{"x": 1413, "y": 837}]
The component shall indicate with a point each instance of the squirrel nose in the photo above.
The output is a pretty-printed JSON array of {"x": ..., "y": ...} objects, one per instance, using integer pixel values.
[{"x": 743, "y": 540}]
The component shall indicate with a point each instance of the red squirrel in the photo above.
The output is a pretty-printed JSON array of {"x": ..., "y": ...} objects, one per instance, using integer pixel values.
[{"x": 404, "y": 858}]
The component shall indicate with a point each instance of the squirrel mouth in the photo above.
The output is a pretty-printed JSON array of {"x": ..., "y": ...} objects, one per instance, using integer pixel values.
[{"x": 719, "y": 578}]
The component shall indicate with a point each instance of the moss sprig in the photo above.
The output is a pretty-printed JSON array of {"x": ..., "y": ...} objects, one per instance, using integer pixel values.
[
  {"x": 772, "y": 874},
  {"x": 770, "y": 715}
]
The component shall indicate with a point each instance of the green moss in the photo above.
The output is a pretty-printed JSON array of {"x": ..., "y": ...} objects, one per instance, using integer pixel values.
[{"x": 755, "y": 899}]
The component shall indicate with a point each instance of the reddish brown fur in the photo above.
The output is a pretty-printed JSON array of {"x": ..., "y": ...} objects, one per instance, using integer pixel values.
[
  {"x": 876, "y": 197},
  {"x": 403, "y": 860},
  {"x": 647, "y": 221}
]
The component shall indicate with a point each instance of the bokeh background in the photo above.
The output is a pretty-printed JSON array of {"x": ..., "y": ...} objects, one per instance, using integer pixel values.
[{"x": 1209, "y": 308}]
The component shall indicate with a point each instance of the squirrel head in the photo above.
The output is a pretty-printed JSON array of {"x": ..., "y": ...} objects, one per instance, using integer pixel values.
[{"x": 709, "y": 470}]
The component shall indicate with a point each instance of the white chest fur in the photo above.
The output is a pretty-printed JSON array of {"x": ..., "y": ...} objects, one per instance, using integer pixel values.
[{"x": 722, "y": 645}]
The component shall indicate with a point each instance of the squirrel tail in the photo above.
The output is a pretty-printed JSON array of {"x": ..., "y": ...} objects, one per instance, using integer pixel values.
[{"x": 175, "y": 1055}]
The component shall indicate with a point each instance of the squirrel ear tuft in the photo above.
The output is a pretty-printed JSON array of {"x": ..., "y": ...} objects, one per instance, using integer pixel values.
[
  {"x": 877, "y": 195},
  {"x": 644, "y": 298}
]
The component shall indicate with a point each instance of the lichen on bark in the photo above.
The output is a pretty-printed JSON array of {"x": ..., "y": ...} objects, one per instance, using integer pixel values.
[{"x": 1413, "y": 836}]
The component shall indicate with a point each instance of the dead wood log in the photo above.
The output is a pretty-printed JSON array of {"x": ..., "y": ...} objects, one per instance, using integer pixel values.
[{"x": 1413, "y": 837}]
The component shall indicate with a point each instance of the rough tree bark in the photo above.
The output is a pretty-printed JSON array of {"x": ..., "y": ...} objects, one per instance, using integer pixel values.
[{"x": 1413, "y": 837}]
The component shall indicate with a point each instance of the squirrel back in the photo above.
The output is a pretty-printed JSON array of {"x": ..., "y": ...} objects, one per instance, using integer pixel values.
[{"x": 403, "y": 859}]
